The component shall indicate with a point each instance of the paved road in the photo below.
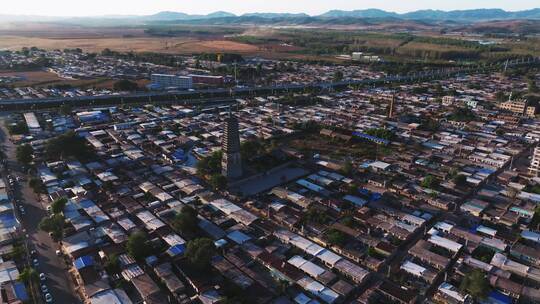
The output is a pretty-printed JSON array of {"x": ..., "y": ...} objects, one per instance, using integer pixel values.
[{"x": 58, "y": 280}]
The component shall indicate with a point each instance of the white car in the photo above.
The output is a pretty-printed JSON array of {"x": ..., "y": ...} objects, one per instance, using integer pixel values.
[
  {"x": 42, "y": 276},
  {"x": 48, "y": 298}
]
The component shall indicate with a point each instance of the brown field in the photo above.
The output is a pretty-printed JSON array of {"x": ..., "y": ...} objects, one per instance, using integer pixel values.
[
  {"x": 90, "y": 39},
  {"x": 14, "y": 36},
  {"x": 51, "y": 36},
  {"x": 124, "y": 44}
]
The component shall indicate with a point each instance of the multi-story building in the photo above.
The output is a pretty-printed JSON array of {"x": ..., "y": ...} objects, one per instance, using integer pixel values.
[
  {"x": 448, "y": 100},
  {"x": 518, "y": 107},
  {"x": 231, "y": 162},
  {"x": 171, "y": 81},
  {"x": 534, "y": 167}
]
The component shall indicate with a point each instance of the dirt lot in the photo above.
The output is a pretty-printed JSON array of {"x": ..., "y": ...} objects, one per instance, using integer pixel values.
[{"x": 32, "y": 77}]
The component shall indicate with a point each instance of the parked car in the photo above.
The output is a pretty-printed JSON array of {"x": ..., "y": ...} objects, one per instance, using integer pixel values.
[
  {"x": 42, "y": 276},
  {"x": 48, "y": 298},
  {"x": 44, "y": 289}
]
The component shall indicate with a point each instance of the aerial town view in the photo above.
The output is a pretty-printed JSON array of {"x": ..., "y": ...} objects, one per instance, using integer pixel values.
[{"x": 273, "y": 152}]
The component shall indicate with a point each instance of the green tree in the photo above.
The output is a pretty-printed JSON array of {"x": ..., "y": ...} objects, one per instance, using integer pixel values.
[
  {"x": 218, "y": 181},
  {"x": 430, "y": 182},
  {"x": 338, "y": 76},
  {"x": 137, "y": 246},
  {"x": 113, "y": 264},
  {"x": 210, "y": 164},
  {"x": 18, "y": 128},
  {"x": 316, "y": 215},
  {"x": 476, "y": 284},
  {"x": 462, "y": 115},
  {"x": 336, "y": 237},
  {"x": 28, "y": 274},
  {"x": 69, "y": 145},
  {"x": 125, "y": 85},
  {"x": 37, "y": 185},
  {"x": 18, "y": 252},
  {"x": 186, "y": 220},
  {"x": 347, "y": 168},
  {"x": 251, "y": 148},
  {"x": 200, "y": 251},
  {"x": 460, "y": 180},
  {"x": 58, "y": 205},
  {"x": 54, "y": 225},
  {"x": 24, "y": 154},
  {"x": 532, "y": 87}
]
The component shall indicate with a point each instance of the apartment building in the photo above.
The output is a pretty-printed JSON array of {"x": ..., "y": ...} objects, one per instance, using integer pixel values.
[{"x": 171, "y": 81}]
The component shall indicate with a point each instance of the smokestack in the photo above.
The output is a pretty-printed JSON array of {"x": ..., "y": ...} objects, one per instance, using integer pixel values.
[{"x": 391, "y": 111}]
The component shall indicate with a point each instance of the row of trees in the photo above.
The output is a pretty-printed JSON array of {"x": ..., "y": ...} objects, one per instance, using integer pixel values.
[
  {"x": 155, "y": 58},
  {"x": 55, "y": 223}
]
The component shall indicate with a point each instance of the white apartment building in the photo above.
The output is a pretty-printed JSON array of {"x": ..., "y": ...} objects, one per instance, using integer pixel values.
[{"x": 171, "y": 81}]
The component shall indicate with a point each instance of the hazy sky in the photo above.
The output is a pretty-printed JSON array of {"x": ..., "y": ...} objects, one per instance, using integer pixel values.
[{"x": 145, "y": 7}]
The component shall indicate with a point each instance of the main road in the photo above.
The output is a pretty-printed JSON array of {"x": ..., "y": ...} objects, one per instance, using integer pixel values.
[{"x": 54, "y": 267}]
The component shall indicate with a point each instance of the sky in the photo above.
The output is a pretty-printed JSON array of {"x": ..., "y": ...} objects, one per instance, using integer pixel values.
[{"x": 312, "y": 7}]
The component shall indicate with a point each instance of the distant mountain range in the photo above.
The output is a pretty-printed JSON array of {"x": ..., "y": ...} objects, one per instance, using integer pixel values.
[
  {"x": 470, "y": 16},
  {"x": 474, "y": 15}
]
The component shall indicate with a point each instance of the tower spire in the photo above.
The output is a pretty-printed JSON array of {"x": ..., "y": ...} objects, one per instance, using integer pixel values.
[{"x": 231, "y": 162}]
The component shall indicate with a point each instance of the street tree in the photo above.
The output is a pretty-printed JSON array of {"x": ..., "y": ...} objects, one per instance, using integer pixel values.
[
  {"x": 24, "y": 154},
  {"x": 58, "y": 205}
]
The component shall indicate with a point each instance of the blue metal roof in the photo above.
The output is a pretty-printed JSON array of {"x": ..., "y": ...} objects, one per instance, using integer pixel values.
[
  {"x": 176, "y": 250},
  {"x": 371, "y": 138},
  {"x": 499, "y": 297},
  {"x": 179, "y": 154},
  {"x": 83, "y": 262},
  {"x": 20, "y": 291}
]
